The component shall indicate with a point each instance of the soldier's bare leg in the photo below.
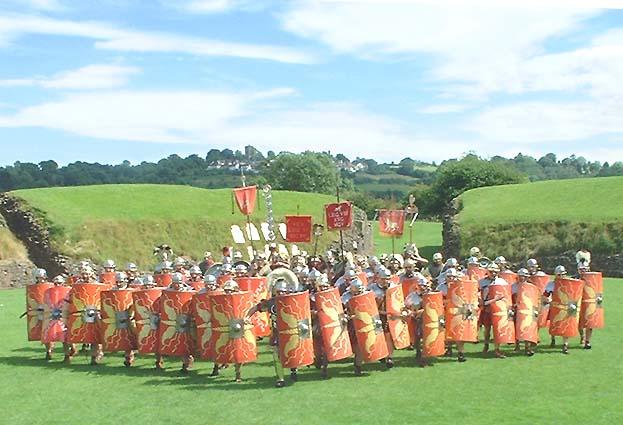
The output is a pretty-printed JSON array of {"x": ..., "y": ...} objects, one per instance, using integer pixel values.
[
  {"x": 487, "y": 338},
  {"x": 278, "y": 368},
  {"x": 129, "y": 358},
  {"x": 565, "y": 345},
  {"x": 96, "y": 354},
  {"x": 159, "y": 362},
  {"x": 582, "y": 340},
  {"x": 49, "y": 347},
  {"x": 293, "y": 374},
  {"x": 498, "y": 352},
  {"x": 324, "y": 366},
  {"x": 587, "y": 338},
  {"x": 69, "y": 351},
  {"x": 215, "y": 370},
  {"x": 460, "y": 347},
  {"x": 187, "y": 362},
  {"x": 448, "y": 352},
  {"x": 238, "y": 373},
  {"x": 389, "y": 362},
  {"x": 552, "y": 342},
  {"x": 357, "y": 361}
]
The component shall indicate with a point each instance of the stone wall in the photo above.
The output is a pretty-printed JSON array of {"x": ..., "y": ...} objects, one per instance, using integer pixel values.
[
  {"x": 360, "y": 232},
  {"x": 33, "y": 234},
  {"x": 15, "y": 274}
]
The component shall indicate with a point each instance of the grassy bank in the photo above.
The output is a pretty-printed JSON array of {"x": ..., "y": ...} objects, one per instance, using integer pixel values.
[
  {"x": 124, "y": 222},
  {"x": 544, "y": 218}
]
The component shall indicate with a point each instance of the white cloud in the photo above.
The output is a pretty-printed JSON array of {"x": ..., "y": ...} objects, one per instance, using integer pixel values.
[
  {"x": 545, "y": 122},
  {"x": 113, "y": 38},
  {"x": 484, "y": 47},
  {"x": 85, "y": 78},
  {"x": 266, "y": 119},
  {"x": 444, "y": 108}
]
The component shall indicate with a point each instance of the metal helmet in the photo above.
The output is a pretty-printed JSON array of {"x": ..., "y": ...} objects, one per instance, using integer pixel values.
[
  {"x": 166, "y": 265},
  {"x": 207, "y": 254},
  {"x": 409, "y": 263},
  {"x": 279, "y": 286},
  {"x": 85, "y": 268},
  {"x": 384, "y": 273},
  {"x": 532, "y": 263},
  {"x": 209, "y": 279},
  {"x": 373, "y": 261},
  {"x": 131, "y": 267},
  {"x": 356, "y": 285},
  {"x": 523, "y": 272},
  {"x": 179, "y": 261},
  {"x": 437, "y": 256},
  {"x": 322, "y": 283},
  {"x": 350, "y": 274},
  {"x": 40, "y": 274},
  {"x": 492, "y": 267},
  {"x": 474, "y": 251},
  {"x": 314, "y": 275},
  {"x": 109, "y": 264},
  {"x": 499, "y": 260},
  {"x": 195, "y": 270},
  {"x": 473, "y": 261},
  {"x": 452, "y": 272},
  {"x": 121, "y": 277},
  {"x": 452, "y": 262},
  {"x": 560, "y": 270},
  {"x": 148, "y": 280},
  {"x": 177, "y": 278},
  {"x": 226, "y": 268},
  {"x": 241, "y": 269},
  {"x": 231, "y": 286},
  {"x": 59, "y": 280}
]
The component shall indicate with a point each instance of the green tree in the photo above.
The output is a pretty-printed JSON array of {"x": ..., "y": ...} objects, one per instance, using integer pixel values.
[
  {"x": 306, "y": 172},
  {"x": 455, "y": 177}
]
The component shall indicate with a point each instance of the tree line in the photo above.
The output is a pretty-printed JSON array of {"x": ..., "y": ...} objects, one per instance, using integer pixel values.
[{"x": 433, "y": 185}]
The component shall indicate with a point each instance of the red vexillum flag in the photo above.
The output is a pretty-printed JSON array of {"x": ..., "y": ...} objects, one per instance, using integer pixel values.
[
  {"x": 245, "y": 199},
  {"x": 339, "y": 215},
  {"x": 391, "y": 222},
  {"x": 298, "y": 228}
]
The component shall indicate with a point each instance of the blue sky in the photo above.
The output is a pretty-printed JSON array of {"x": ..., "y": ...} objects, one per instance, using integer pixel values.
[{"x": 108, "y": 80}]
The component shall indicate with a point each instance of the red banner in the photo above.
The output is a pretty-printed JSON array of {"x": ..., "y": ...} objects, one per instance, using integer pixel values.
[
  {"x": 391, "y": 222},
  {"x": 339, "y": 215},
  {"x": 245, "y": 198},
  {"x": 299, "y": 228}
]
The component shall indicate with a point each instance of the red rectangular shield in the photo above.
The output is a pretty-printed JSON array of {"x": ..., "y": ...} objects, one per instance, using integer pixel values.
[
  {"x": 333, "y": 325},
  {"x": 232, "y": 340},
  {"x": 502, "y": 314},
  {"x": 201, "y": 307},
  {"x": 433, "y": 325},
  {"x": 391, "y": 222},
  {"x": 462, "y": 311},
  {"x": 258, "y": 286},
  {"x": 34, "y": 309},
  {"x": 245, "y": 199},
  {"x": 565, "y": 309},
  {"x": 174, "y": 331},
  {"x": 147, "y": 319},
  {"x": 116, "y": 327},
  {"x": 592, "y": 312},
  {"x": 84, "y": 313},
  {"x": 54, "y": 314},
  {"x": 296, "y": 347},
  {"x": 527, "y": 314},
  {"x": 298, "y": 228},
  {"x": 339, "y": 215},
  {"x": 398, "y": 328},
  {"x": 368, "y": 327}
]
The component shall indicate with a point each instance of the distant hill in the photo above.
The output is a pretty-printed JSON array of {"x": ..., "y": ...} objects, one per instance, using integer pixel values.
[
  {"x": 125, "y": 222},
  {"x": 544, "y": 218}
]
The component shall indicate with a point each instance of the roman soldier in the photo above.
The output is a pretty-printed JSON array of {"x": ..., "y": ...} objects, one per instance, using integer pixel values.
[
  {"x": 180, "y": 267},
  {"x": 494, "y": 289},
  {"x": 178, "y": 284},
  {"x": 196, "y": 278},
  {"x": 259, "y": 266},
  {"x": 131, "y": 272},
  {"x": 87, "y": 275},
  {"x": 413, "y": 302},
  {"x": 530, "y": 304},
  {"x": 355, "y": 288},
  {"x": 54, "y": 326},
  {"x": 318, "y": 282},
  {"x": 206, "y": 263},
  {"x": 379, "y": 287},
  {"x": 107, "y": 276},
  {"x": 279, "y": 287},
  {"x": 559, "y": 273},
  {"x": 434, "y": 268},
  {"x": 491, "y": 279}
]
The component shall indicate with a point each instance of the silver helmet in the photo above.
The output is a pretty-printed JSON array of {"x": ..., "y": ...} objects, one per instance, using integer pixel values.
[
  {"x": 109, "y": 264},
  {"x": 131, "y": 267},
  {"x": 195, "y": 270}
]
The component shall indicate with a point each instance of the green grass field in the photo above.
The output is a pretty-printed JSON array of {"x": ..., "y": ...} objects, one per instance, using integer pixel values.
[
  {"x": 124, "y": 222},
  {"x": 575, "y": 200},
  {"x": 549, "y": 388},
  {"x": 426, "y": 235}
]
